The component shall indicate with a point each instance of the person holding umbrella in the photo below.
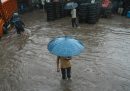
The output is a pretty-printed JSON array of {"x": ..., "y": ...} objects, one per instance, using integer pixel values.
[
  {"x": 73, "y": 16},
  {"x": 72, "y": 6},
  {"x": 65, "y": 48},
  {"x": 65, "y": 66}
]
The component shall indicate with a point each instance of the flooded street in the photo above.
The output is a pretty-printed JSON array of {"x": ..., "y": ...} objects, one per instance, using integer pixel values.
[{"x": 26, "y": 64}]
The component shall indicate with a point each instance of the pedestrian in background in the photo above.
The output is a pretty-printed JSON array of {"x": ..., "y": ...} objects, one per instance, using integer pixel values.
[
  {"x": 74, "y": 17},
  {"x": 126, "y": 5},
  {"x": 105, "y": 5},
  {"x": 18, "y": 23},
  {"x": 64, "y": 64},
  {"x": 115, "y": 6}
]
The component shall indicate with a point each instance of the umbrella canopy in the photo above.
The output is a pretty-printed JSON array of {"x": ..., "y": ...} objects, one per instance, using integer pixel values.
[
  {"x": 71, "y": 5},
  {"x": 65, "y": 46}
]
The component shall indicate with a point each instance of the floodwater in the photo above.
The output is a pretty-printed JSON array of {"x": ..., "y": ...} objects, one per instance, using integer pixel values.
[{"x": 26, "y": 64}]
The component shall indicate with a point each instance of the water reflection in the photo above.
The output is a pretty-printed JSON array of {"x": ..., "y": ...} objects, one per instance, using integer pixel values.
[{"x": 66, "y": 85}]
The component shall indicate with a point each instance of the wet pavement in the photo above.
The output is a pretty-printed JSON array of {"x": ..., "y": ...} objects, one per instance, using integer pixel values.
[{"x": 26, "y": 64}]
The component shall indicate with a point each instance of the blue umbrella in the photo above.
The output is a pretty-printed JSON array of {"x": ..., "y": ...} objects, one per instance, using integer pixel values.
[
  {"x": 65, "y": 46},
  {"x": 71, "y": 5}
]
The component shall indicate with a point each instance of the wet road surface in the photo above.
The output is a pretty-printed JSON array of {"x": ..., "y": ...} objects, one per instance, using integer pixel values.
[{"x": 26, "y": 64}]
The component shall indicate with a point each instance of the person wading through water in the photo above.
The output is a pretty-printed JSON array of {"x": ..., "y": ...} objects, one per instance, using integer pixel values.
[
  {"x": 64, "y": 64},
  {"x": 18, "y": 23},
  {"x": 73, "y": 15}
]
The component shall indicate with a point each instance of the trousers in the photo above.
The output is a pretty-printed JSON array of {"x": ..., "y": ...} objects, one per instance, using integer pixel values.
[
  {"x": 66, "y": 72},
  {"x": 74, "y": 23}
]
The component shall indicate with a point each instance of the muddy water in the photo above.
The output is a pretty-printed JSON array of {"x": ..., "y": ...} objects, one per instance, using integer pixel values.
[{"x": 26, "y": 64}]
